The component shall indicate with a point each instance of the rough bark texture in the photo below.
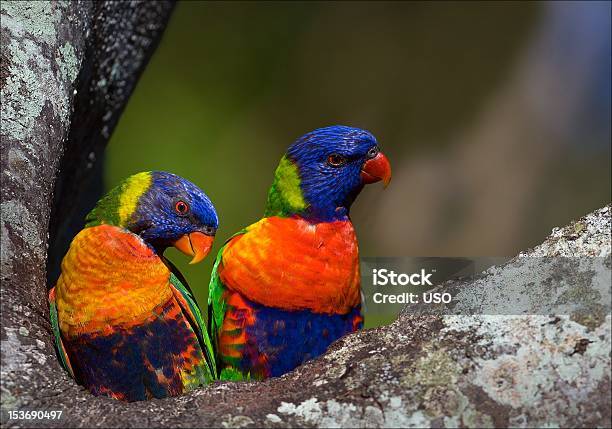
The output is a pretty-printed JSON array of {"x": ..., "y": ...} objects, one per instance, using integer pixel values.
[
  {"x": 423, "y": 370},
  {"x": 67, "y": 71}
]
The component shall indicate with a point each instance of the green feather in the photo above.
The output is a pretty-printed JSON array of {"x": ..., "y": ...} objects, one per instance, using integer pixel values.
[
  {"x": 199, "y": 325},
  {"x": 106, "y": 209},
  {"x": 59, "y": 348},
  {"x": 232, "y": 374},
  {"x": 118, "y": 205},
  {"x": 216, "y": 304},
  {"x": 285, "y": 196}
]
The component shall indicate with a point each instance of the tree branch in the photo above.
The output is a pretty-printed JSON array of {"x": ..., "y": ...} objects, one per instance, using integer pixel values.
[{"x": 67, "y": 71}]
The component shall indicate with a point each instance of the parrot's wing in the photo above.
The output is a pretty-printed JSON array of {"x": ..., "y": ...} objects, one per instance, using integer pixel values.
[
  {"x": 216, "y": 304},
  {"x": 192, "y": 312},
  {"x": 59, "y": 345}
]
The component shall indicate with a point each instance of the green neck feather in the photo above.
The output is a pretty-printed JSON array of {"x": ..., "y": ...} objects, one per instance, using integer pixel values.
[
  {"x": 285, "y": 196},
  {"x": 106, "y": 211},
  {"x": 118, "y": 206}
]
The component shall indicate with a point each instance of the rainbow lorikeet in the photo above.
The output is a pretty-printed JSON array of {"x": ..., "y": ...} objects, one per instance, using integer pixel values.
[
  {"x": 126, "y": 324},
  {"x": 284, "y": 288}
]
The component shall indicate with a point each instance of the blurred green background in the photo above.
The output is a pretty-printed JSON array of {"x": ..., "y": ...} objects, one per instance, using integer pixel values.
[{"x": 495, "y": 116}]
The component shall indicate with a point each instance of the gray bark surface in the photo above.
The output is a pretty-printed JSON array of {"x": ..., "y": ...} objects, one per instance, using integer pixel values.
[
  {"x": 67, "y": 70},
  {"x": 420, "y": 371}
]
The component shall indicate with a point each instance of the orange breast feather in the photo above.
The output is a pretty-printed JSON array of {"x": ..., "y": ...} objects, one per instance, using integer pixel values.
[
  {"x": 110, "y": 279},
  {"x": 291, "y": 264}
]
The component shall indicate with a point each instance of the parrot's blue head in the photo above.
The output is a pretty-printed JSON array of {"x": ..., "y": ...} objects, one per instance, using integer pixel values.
[
  {"x": 323, "y": 172},
  {"x": 164, "y": 210}
]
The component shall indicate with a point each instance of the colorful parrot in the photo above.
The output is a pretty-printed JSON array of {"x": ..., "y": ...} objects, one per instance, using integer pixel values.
[
  {"x": 126, "y": 325},
  {"x": 283, "y": 289}
]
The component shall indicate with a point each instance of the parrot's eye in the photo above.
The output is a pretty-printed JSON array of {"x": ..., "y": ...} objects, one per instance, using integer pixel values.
[
  {"x": 336, "y": 160},
  {"x": 181, "y": 207},
  {"x": 372, "y": 152}
]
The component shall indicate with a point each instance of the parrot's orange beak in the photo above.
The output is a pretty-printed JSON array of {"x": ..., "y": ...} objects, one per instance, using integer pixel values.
[
  {"x": 196, "y": 244},
  {"x": 376, "y": 169}
]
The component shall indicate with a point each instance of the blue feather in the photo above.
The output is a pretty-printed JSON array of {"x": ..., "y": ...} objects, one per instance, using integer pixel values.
[{"x": 328, "y": 190}]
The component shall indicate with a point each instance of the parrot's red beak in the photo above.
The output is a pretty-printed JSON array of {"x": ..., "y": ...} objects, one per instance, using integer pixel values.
[
  {"x": 196, "y": 244},
  {"x": 376, "y": 169}
]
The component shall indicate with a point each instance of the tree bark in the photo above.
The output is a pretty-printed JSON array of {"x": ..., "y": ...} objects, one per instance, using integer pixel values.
[{"x": 67, "y": 71}]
